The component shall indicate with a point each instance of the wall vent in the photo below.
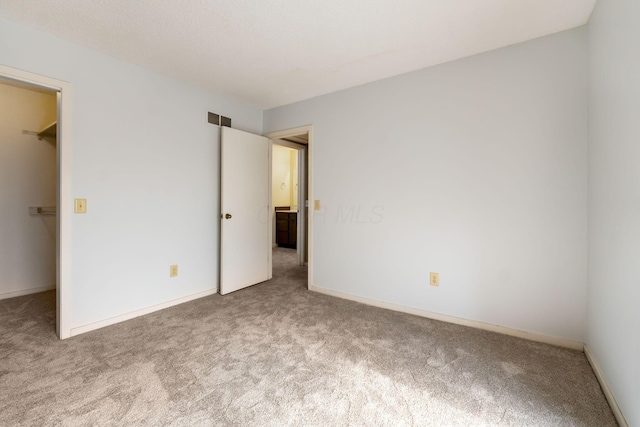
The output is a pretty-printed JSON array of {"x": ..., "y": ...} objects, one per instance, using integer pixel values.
[{"x": 218, "y": 120}]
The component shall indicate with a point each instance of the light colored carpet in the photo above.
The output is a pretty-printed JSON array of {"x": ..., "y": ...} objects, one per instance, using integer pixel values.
[{"x": 276, "y": 354}]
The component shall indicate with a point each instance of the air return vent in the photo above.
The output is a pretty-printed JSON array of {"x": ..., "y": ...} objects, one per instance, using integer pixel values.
[{"x": 217, "y": 119}]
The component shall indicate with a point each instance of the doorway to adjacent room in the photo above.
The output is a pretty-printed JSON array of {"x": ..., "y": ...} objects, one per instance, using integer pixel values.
[{"x": 291, "y": 188}]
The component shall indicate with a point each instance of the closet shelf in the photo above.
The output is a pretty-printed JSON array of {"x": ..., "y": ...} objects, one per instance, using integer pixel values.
[{"x": 49, "y": 131}]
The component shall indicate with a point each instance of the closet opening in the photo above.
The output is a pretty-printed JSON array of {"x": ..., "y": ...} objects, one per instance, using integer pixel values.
[
  {"x": 35, "y": 197},
  {"x": 28, "y": 190}
]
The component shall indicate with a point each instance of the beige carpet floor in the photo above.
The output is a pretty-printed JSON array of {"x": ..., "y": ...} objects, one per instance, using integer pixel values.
[{"x": 276, "y": 354}]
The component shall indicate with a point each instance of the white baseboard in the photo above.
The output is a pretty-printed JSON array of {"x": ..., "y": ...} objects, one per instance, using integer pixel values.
[
  {"x": 562, "y": 342},
  {"x": 22, "y": 292},
  {"x": 131, "y": 315},
  {"x": 605, "y": 388}
]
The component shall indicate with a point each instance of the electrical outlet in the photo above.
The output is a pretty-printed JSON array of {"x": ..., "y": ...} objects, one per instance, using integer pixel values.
[
  {"x": 434, "y": 279},
  {"x": 173, "y": 270}
]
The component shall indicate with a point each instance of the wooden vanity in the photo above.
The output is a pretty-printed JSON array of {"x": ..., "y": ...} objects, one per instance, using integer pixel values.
[{"x": 286, "y": 228}]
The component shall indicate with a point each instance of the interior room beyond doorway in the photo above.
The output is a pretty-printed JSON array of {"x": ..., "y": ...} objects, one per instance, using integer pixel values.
[{"x": 289, "y": 196}]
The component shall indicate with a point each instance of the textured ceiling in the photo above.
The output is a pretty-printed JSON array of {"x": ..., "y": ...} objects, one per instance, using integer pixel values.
[{"x": 274, "y": 52}]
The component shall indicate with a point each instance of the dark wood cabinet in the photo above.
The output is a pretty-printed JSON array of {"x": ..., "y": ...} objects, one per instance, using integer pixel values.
[{"x": 286, "y": 229}]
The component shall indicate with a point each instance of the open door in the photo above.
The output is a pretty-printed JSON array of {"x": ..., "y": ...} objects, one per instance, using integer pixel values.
[{"x": 244, "y": 202}]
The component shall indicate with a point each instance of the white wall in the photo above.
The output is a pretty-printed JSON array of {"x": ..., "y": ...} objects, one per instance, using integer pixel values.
[
  {"x": 147, "y": 163},
  {"x": 476, "y": 169},
  {"x": 27, "y": 178},
  {"x": 281, "y": 176},
  {"x": 614, "y": 200}
]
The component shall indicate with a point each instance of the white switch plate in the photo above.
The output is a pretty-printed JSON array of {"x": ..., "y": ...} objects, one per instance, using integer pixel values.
[
  {"x": 80, "y": 206},
  {"x": 434, "y": 279}
]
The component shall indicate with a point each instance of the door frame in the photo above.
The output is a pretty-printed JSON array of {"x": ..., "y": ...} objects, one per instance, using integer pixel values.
[
  {"x": 63, "y": 197},
  {"x": 286, "y": 133}
]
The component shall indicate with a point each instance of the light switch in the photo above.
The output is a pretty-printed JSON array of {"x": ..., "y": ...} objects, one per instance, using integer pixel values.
[
  {"x": 80, "y": 206},
  {"x": 316, "y": 205}
]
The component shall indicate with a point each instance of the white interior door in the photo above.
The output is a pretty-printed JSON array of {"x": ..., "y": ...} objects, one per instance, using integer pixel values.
[{"x": 244, "y": 190}]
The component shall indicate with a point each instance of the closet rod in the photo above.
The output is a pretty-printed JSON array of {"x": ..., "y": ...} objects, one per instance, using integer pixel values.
[{"x": 42, "y": 210}]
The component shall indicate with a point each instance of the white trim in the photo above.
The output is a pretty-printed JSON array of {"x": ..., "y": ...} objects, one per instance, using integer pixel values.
[
  {"x": 271, "y": 213},
  {"x": 308, "y": 129},
  {"x": 605, "y": 388},
  {"x": 280, "y": 134},
  {"x": 29, "y": 291},
  {"x": 289, "y": 144},
  {"x": 302, "y": 205},
  {"x": 64, "y": 198},
  {"x": 562, "y": 342},
  {"x": 137, "y": 313}
]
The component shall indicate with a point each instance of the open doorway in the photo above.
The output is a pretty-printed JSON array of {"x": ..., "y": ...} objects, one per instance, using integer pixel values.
[
  {"x": 290, "y": 193},
  {"x": 36, "y": 186},
  {"x": 28, "y": 190},
  {"x": 288, "y": 188}
]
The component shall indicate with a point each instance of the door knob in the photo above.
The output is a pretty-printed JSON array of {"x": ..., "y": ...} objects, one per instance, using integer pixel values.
[{"x": 228, "y": 216}]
